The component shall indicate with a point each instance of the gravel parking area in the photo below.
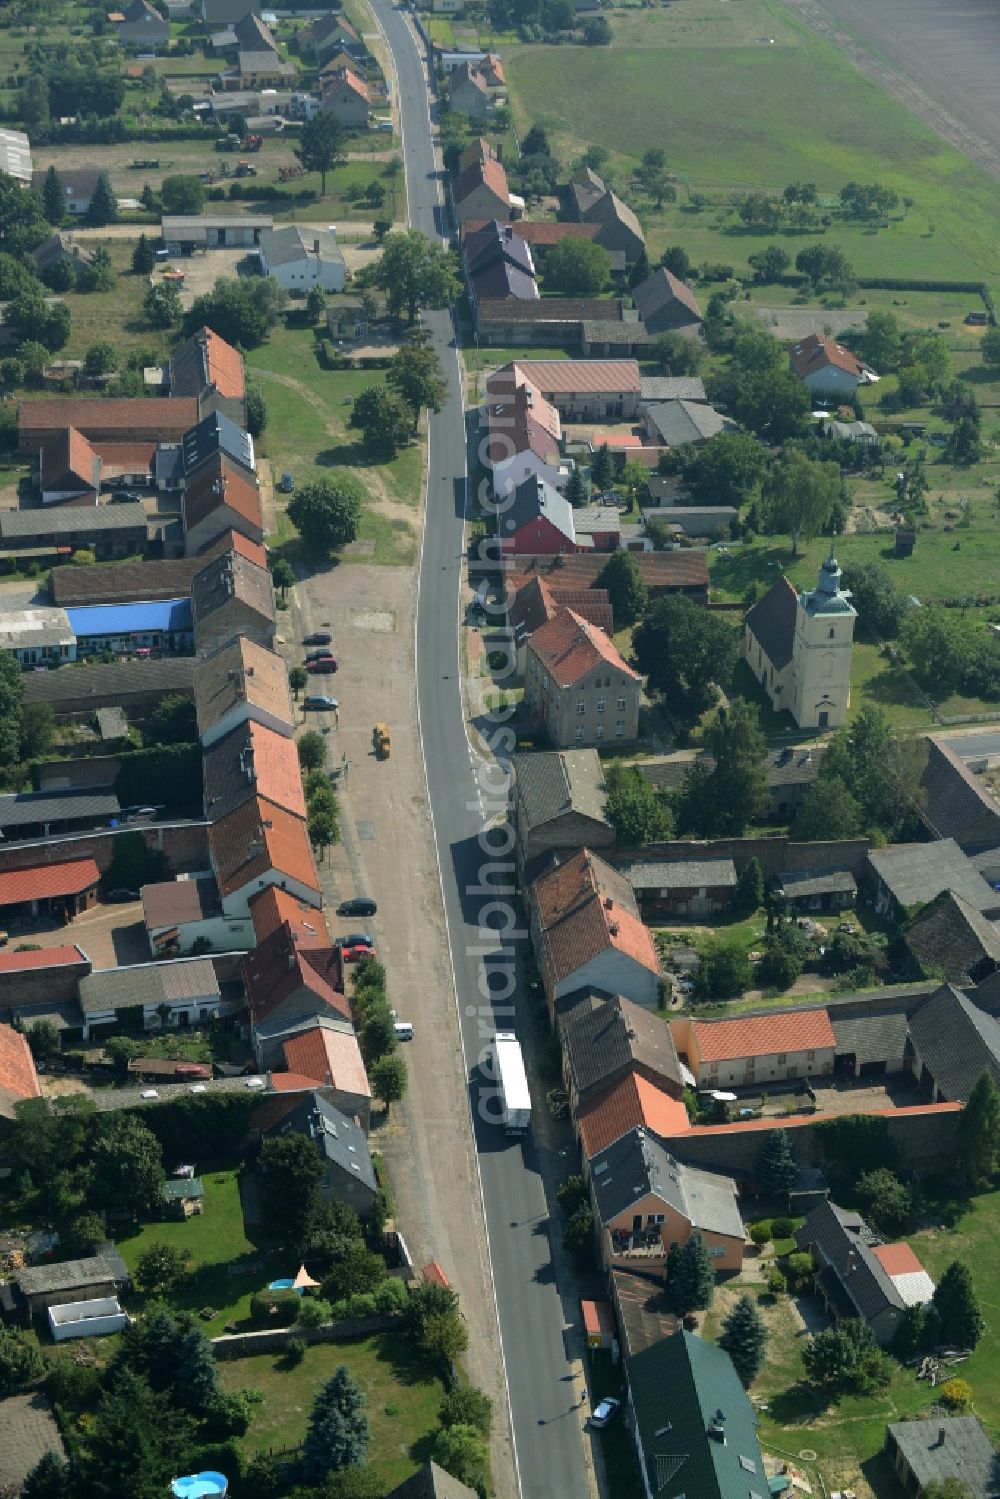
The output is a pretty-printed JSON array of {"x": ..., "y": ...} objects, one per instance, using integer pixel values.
[{"x": 29, "y": 1431}]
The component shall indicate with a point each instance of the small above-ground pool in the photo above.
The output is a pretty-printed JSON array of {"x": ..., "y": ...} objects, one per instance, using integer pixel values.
[
  {"x": 207, "y": 1485},
  {"x": 284, "y": 1285}
]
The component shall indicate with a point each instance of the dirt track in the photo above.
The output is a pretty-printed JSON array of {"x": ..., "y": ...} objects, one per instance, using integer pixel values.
[{"x": 944, "y": 67}]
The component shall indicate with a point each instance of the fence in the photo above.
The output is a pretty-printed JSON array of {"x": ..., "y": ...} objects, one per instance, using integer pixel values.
[{"x": 275, "y": 1339}]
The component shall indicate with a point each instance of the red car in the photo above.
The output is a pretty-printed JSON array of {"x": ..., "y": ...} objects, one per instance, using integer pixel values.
[
  {"x": 358, "y": 951},
  {"x": 323, "y": 667}
]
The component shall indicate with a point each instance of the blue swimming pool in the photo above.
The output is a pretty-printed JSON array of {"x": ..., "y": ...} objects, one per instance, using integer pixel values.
[
  {"x": 207, "y": 1485},
  {"x": 284, "y": 1285}
]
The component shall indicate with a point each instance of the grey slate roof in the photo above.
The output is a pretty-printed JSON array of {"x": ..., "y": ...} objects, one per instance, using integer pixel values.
[
  {"x": 603, "y": 1036},
  {"x": 771, "y": 621},
  {"x": 431, "y": 1482},
  {"x": 342, "y": 1140},
  {"x": 71, "y": 520},
  {"x": 148, "y": 984},
  {"x": 949, "y": 1447},
  {"x": 842, "y": 1242},
  {"x": 552, "y": 784},
  {"x": 535, "y": 498},
  {"x": 678, "y": 422},
  {"x": 672, "y": 388},
  {"x": 493, "y": 242},
  {"x": 953, "y": 938},
  {"x": 683, "y": 1388},
  {"x": 176, "y": 225},
  {"x": 71, "y": 1274},
  {"x": 662, "y": 290},
  {"x": 799, "y": 883},
  {"x": 956, "y": 1040},
  {"x": 216, "y": 434},
  {"x": 291, "y": 243},
  {"x": 915, "y": 873},
  {"x": 679, "y": 874},
  {"x": 637, "y": 1165},
  {"x": 119, "y": 678},
  {"x": 27, "y": 808},
  {"x": 880, "y": 1036},
  {"x": 954, "y": 801}
]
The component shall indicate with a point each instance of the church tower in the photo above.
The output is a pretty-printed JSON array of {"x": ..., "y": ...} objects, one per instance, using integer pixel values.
[{"x": 821, "y": 652}]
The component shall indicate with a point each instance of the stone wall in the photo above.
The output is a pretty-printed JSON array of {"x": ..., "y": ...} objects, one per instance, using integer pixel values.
[
  {"x": 274, "y": 1339},
  {"x": 774, "y": 854},
  {"x": 184, "y": 843}
]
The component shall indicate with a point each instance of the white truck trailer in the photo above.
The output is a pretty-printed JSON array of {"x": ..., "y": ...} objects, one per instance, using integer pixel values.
[{"x": 508, "y": 1065}]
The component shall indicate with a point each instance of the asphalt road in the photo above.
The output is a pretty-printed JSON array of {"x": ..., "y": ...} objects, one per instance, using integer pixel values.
[
  {"x": 533, "y": 1326},
  {"x": 973, "y": 746}
]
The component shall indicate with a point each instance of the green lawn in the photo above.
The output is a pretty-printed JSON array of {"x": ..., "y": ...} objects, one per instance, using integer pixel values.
[
  {"x": 402, "y": 1399},
  {"x": 307, "y": 433},
  {"x": 115, "y": 315},
  {"x": 758, "y": 63},
  {"x": 847, "y": 1434},
  {"x": 219, "y": 1247}
]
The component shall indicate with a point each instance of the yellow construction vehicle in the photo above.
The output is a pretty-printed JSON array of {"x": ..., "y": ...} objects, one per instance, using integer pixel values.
[{"x": 382, "y": 741}]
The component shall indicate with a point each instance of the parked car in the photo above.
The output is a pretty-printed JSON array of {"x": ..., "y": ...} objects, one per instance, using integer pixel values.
[
  {"x": 125, "y": 497},
  {"x": 119, "y": 897},
  {"x": 355, "y": 939},
  {"x": 356, "y": 953},
  {"x": 319, "y": 654},
  {"x": 403, "y": 1030},
  {"x": 359, "y": 905},
  {"x": 323, "y": 665},
  {"x": 604, "y": 1412},
  {"x": 318, "y": 637},
  {"x": 287, "y": 484},
  {"x": 319, "y": 703}
]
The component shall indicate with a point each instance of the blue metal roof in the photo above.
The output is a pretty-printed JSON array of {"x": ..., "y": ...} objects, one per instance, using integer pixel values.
[{"x": 157, "y": 617}]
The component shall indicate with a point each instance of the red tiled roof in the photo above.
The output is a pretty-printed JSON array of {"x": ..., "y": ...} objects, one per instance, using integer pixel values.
[
  {"x": 222, "y": 482},
  {"x": 151, "y": 413},
  {"x": 242, "y": 672},
  {"x": 224, "y": 364},
  {"x": 273, "y": 907},
  {"x": 45, "y": 881},
  {"x": 491, "y": 64},
  {"x": 536, "y": 601},
  {"x": 630, "y": 1102},
  {"x": 764, "y": 1035},
  {"x": 48, "y": 957},
  {"x": 486, "y": 172},
  {"x": 18, "y": 1078},
  {"x": 279, "y": 968},
  {"x": 569, "y": 647},
  {"x": 521, "y": 420},
  {"x": 579, "y": 376},
  {"x": 818, "y": 353},
  {"x": 897, "y": 1259},
  {"x": 660, "y": 571},
  {"x": 235, "y": 541},
  {"x": 350, "y": 80},
  {"x": 292, "y": 1082},
  {"x": 257, "y": 839},
  {"x": 539, "y": 231},
  {"x": 585, "y": 908},
  {"x": 326, "y": 1056}
]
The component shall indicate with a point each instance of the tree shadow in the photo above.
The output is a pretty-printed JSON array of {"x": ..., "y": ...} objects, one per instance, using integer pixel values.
[
  {"x": 799, "y": 1405},
  {"x": 350, "y": 455},
  {"x": 408, "y": 1365},
  {"x": 882, "y": 1477}
]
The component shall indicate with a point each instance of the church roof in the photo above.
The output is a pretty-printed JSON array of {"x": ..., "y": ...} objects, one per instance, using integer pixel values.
[
  {"x": 771, "y": 621},
  {"x": 828, "y": 597}
]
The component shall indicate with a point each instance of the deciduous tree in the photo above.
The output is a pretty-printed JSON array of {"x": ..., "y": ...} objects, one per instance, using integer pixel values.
[
  {"x": 577, "y": 268},
  {"x": 638, "y": 813},
  {"x": 327, "y": 513},
  {"x": 127, "y": 1166},
  {"x": 387, "y": 422},
  {"x": 322, "y": 146},
  {"x": 415, "y": 374},
  {"x": 414, "y": 273},
  {"x": 798, "y": 495},
  {"x": 683, "y": 650},
  {"x": 623, "y": 581}
]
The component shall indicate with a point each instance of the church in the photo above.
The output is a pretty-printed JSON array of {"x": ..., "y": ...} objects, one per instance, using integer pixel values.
[{"x": 799, "y": 645}]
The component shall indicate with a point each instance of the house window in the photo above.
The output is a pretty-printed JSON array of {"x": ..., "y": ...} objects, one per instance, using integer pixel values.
[
  {"x": 621, "y": 705},
  {"x": 578, "y": 731},
  {"x": 599, "y": 731},
  {"x": 782, "y": 1058},
  {"x": 581, "y": 706},
  {"x": 602, "y": 704},
  {"x": 620, "y": 729},
  {"x": 833, "y": 633},
  {"x": 810, "y": 1056}
]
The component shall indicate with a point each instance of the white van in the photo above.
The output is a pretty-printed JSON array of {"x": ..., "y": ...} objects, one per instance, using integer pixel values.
[{"x": 404, "y": 1030}]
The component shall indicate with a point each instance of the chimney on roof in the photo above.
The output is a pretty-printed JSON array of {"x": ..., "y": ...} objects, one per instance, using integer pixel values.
[
  {"x": 941, "y": 1436},
  {"x": 613, "y": 928},
  {"x": 315, "y": 246},
  {"x": 609, "y": 904},
  {"x": 249, "y": 671}
]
